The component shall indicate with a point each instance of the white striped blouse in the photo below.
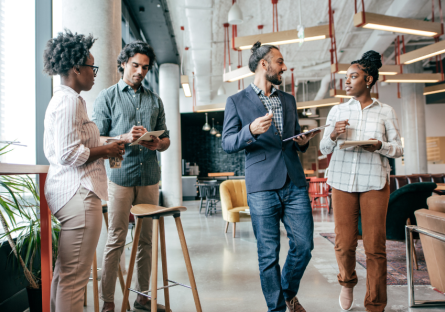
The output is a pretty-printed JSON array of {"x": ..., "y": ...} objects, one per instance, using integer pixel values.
[{"x": 69, "y": 135}]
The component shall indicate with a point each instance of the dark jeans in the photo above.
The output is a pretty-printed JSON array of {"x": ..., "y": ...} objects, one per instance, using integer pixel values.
[{"x": 291, "y": 205}]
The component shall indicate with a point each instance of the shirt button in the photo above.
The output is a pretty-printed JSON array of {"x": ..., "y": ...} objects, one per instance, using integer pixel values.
[
  {"x": 137, "y": 108},
  {"x": 134, "y": 95},
  {"x": 141, "y": 151},
  {"x": 276, "y": 133},
  {"x": 141, "y": 164}
]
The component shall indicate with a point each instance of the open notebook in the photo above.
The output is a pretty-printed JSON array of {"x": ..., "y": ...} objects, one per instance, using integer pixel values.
[{"x": 347, "y": 144}]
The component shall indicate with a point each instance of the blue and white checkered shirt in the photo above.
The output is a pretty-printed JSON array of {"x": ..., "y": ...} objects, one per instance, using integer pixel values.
[
  {"x": 116, "y": 110},
  {"x": 272, "y": 103}
]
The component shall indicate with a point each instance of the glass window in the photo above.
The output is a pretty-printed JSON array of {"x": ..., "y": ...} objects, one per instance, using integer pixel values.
[{"x": 17, "y": 80}]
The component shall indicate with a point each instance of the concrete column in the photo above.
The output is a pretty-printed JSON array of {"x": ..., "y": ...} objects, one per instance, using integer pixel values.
[
  {"x": 102, "y": 18},
  {"x": 171, "y": 159},
  {"x": 413, "y": 123}
]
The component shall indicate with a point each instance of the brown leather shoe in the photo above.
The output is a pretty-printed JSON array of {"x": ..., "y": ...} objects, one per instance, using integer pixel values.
[
  {"x": 346, "y": 298},
  {"x": 294, "y": 306}
]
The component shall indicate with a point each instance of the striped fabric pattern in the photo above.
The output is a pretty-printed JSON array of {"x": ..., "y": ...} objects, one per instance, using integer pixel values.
[
  {"x": 69, "y": 135},
  {"x": 272, "y": 103},
  {"x": 116, "y": 110},
  {"x": 354, "y": 169}
]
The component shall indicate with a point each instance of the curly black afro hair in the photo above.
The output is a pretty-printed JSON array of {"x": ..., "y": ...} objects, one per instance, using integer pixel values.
[
  {"x": 133, "y": 48},
  {"x": 370, "y": 63},
  {"x": 66, "y": 51}
]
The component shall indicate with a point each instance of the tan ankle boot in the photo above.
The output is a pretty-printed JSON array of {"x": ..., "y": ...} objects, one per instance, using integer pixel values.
[{"x": 346, "y": 298}]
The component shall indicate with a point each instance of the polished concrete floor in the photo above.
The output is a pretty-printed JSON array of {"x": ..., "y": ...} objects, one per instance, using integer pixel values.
[{"x": 227, "y": 277}]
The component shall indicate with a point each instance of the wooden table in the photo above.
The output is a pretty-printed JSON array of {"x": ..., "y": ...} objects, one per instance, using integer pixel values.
[
  {"x": 45, "y": 223},
  {"x": 221, "y": 174},
  {"x": 440, "y": 187}
]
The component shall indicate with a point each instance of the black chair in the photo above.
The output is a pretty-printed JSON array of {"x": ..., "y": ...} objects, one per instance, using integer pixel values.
[
  {"x": 203, "y": 189},
  {"x": 212, "y": 198}
]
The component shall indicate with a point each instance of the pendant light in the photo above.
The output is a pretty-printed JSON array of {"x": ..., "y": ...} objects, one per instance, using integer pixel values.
[
  {"x": 221, "y": 90},
  {"x": 213, "y": 130},
  {"x": 235, "y": 15},
  {"x": 206, "y": 126},
  {"x": 218, "y": 134}
]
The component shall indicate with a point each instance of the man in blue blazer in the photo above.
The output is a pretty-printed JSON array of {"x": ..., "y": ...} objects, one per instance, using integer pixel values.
[{"x": 257, "y": 120}]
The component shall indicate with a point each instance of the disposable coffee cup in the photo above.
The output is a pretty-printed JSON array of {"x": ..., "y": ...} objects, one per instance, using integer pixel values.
[{"x": 115, "y": 162}]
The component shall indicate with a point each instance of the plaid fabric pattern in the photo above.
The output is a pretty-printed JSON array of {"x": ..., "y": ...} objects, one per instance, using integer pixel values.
[
  {"x": 272, "y": 103},
  {"x": 116, "y": 110},
  {"x": 354, "y": 169}
]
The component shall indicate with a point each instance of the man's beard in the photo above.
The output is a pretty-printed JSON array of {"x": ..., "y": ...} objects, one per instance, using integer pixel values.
[{"x": 273, "y": 78}]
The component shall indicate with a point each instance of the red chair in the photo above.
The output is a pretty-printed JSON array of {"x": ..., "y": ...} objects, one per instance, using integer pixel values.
[{"x": 318, "y": 190}]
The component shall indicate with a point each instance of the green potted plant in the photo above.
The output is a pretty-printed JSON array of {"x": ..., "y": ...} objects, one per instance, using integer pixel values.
[{"x": 19, "y": 217}]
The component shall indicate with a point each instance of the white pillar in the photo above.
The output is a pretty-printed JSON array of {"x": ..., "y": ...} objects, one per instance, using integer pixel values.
[
  {"x": 102, "y": 18},
  {"x": 171, "y": 177},
  {"x": 413, "y": 123}
]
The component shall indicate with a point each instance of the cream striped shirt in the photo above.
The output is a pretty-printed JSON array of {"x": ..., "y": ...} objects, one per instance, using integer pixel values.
[
  {"x": 69, "y": 135},
  {"x": 353, "y": 169}
]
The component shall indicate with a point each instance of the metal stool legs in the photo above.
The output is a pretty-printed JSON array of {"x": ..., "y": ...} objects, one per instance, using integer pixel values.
[{"x": 95, "y": 285}]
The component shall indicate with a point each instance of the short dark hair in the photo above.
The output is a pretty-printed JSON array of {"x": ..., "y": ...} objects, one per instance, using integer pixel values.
[
  {"x": 259, "y": 52},
  {"x": 133, "y": 48},
  {"x": 370, "y": 63},
  {"x": 66, "y": 51}
]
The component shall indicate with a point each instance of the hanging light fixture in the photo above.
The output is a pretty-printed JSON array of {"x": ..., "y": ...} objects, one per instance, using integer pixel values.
[
  {"x": 434, "y": 89},
  {"x": 213, "y": 131},
  {"x": 186, "y": 86},
  {"x": 184, "y": 78},
  {"x": 218, "y": 134},
  {"x": 206, "y": 126},
  {"x": 221, "y": 90},
  {"x": 384, "y": 70},
  {"x": 235, "y": 15},
  {"x": 423, "y": 53}
]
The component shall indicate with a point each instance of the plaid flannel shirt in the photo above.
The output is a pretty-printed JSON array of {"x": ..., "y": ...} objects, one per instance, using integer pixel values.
[{"x": 353, "y": 169}]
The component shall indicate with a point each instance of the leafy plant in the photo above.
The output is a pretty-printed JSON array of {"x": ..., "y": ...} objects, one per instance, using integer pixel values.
[{"x": 20, "y": 202}]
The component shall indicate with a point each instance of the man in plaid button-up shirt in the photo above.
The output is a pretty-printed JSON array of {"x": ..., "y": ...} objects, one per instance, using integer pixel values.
[
  {"x": 257, "y": 120},
  {"x": 126, "y": 110}
]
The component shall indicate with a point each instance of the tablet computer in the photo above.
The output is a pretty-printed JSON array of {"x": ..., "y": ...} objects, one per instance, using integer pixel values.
[{"x": 307, "y": 132}]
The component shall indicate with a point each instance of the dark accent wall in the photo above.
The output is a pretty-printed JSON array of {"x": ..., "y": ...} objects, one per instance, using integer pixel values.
[{"x": 204, "y": 149}]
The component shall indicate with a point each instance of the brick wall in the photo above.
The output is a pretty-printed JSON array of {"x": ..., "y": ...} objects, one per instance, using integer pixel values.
[{"x": 205, "y": 150}]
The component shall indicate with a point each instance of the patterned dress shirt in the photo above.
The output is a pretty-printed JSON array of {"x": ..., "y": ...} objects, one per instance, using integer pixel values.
[
  {"x": 69, "y": 135},
  {"x": 272, "y": 103},
  {"x": 353, "y": 169},
  {"x": 116, "y": 110}
]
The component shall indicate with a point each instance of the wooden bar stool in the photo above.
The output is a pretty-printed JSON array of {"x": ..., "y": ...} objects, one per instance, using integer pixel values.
[{"x": 158, "y": 213}]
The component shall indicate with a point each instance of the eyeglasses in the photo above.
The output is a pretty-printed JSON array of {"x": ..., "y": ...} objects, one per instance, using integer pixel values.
[{"x": 95, "y": 68}]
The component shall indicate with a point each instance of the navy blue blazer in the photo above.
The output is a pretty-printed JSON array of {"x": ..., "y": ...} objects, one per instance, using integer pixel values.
[{"x": 268, "y": 159}]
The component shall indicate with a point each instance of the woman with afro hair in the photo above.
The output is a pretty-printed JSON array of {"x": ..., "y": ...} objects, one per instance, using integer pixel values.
[
  {"x": 359, "y": 177},
  {"x": 76, "y": 180}
]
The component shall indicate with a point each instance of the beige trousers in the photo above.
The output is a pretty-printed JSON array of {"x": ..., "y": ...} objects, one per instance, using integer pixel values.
[
  {"x": 81, "y": 221},
  {"x": 121, "y": 198}
]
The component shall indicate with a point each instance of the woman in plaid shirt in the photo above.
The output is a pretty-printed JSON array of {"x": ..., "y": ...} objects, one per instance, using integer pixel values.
[{"x": 359, "y": 177}]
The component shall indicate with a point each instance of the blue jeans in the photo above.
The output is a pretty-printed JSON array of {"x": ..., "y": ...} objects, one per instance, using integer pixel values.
[{"x": 291, "y": 205}]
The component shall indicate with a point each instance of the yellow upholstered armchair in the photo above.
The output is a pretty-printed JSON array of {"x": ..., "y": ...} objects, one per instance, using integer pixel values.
[{"x": 233, "y": 200}]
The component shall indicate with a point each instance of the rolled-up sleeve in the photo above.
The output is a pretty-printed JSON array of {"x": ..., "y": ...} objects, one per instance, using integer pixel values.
[
  {"x": 69, "y": 150},
  {"x": 393, "y": 147},
  {"x": 160, "y": 122},
  {"x": 102, "y": 114},
  {"x": 326, "y": 144}
]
